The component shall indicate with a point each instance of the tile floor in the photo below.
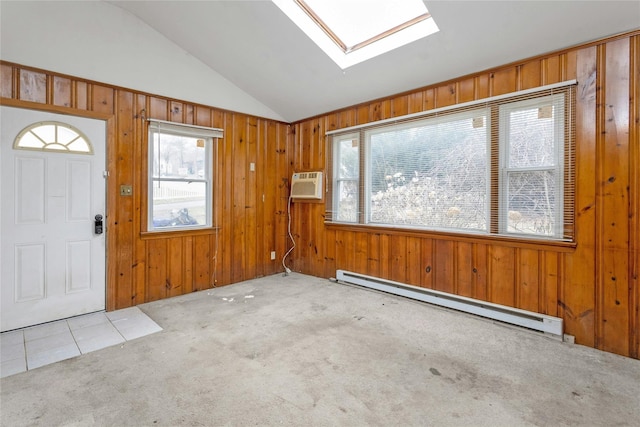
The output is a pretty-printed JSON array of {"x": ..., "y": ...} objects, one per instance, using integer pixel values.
[{"x": 36, "y": 346}]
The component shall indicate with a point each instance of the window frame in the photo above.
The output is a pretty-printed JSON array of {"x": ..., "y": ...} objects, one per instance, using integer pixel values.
[
  {"x": 557, "y": 168},
  {"x": 209, "y": 135},
  {"x": 355, "y": 136},
  {"x": 564, "y": 168}
]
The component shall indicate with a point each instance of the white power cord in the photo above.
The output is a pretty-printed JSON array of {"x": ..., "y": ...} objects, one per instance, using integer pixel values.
[{"x": 287, "y": 270}]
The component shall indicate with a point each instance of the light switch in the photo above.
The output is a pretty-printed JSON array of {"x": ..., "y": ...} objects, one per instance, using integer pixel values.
[
  {"x": 126, "y": 190},
  {"x": 252, "y": 167}
]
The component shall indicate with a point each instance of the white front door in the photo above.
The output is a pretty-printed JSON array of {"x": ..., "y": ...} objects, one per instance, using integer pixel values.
[{"x": 53, "y": 262}]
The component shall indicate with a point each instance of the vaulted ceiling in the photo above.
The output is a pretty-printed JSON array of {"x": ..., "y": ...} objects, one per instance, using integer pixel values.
[{"x": 255, "y": 46}]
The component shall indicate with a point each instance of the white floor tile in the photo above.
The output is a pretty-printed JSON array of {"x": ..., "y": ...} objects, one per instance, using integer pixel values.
[
  {"x": 12, "y": 367},
  {"x": 95, "y": 337},
  {"x": 12, "y": 338},
  {"x": 51, "y": 342},
  {"x": 48, "y": 329},
  {"x": 11, "y": 352},
  {"x": 87, "y": 320},
  {"x": 41, "y": 345},
  {"x": 36, "y": 360}
]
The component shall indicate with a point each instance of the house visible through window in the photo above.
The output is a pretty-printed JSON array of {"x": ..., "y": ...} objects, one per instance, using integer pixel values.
[
  {"x": 180, "y": 176},
  {"x": 503, "y": 166}
]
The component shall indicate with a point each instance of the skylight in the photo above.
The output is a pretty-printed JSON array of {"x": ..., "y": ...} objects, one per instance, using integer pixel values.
[{"x": 352, "y": 31}]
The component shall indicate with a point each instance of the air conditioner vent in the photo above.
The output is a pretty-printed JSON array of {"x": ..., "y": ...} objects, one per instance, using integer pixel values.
[{"x": 306, "y": 185}]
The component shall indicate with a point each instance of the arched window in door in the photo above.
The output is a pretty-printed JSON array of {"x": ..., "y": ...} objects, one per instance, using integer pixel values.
[{"x": 53, "y": 136}]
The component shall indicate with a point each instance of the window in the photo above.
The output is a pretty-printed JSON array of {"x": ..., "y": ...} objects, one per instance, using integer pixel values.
[
  {"x": 180, "y": 176},
  {"x": 531, "y": 166},
  {"x": 352, "y": 31},
  {"x": 498, "y": 166},
  {"x": 53, "y": 136},
  {"x": 347, "y": 177}
]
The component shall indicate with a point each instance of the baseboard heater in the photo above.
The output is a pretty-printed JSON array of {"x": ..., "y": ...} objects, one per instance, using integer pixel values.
[{"x": 528, "y": 319}]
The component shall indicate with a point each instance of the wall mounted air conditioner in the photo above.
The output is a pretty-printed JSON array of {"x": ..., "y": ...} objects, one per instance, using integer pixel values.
[{"x": 306, "y": 185}]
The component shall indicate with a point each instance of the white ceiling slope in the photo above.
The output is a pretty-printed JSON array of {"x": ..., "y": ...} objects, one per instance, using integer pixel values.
[
  {"x": 102, "y": 42},
  {"x": 255, "y": 46}
]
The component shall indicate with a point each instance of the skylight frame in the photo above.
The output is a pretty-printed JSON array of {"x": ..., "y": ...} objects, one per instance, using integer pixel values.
[
  {"x": 338, "y": 41},
  {"x": 346, "y": 56}
]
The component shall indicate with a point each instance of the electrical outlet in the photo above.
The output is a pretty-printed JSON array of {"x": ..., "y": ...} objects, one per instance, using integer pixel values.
[{"x": 273, "y": 255}]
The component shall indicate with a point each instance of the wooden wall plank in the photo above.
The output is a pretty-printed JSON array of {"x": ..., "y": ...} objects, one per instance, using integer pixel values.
[
  {"x": 238, "y": 232},
  {"x": 577, "y": 301},
  {"x": 202, "y": 275},
  {"x": 253, "y": 244},
  {"x": 373, "y": 255},
  {"x": 81, "y": 100},
  {"x": 528, "y": 279},
  {"x": 415, "y": 102},
  {"x": 385, "y": 256},
  {"x": 501, "y": 286},
  {"x": 187, "y": 266},
  {"x": 157, "y": 280},
  {"x": 552, "y": 70},
  {"x": 124, "y": 221},
  {"x": 634, "y": 189},
  {"x": 33, "y": 86},
  {"x": 444, "y": 267},
  {"x": 61, "y": 91},
  {"x": 427, "y": 264},
  {"x": 529, "y": 75},
  {"x": 414, "y": 261},
  {"x": 175, "y": 267},
  {"x": 481, "y": 271},
  {"x": 503, "y": 81},
  {"x": 549, "y": 286},
  {"x": 398, "y": 259},
  {"x": 464, "y": 269},
  {"x": 446, "y": 95},
  {"x": 102, "y": 99},
  {"x": 361, "y": 246},
  {"x": 613, "y": 197},
  {"x": 466, "y": 90},
  {"x": 6, "y": 81},
  {"x": 139, "y": 223}
]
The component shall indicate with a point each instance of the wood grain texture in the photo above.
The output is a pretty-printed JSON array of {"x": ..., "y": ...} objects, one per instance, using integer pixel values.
[
  {"x": 142, "y": 269},
  {"x": 593, "y": 286}
]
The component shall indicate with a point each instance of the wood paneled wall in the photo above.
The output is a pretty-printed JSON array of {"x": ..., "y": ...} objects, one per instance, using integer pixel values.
[
  {"x": 594, "y": 286},
  {"x": 249, "y": 206}
]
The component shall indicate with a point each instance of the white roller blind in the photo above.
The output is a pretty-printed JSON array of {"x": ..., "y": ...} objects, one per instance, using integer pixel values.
[{"x": 184, "y": 129}]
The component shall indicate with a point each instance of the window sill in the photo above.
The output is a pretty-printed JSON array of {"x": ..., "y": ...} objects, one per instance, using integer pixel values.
[
  {"x": 148, "y": 235},
  {"x": 511, "y": 241}
]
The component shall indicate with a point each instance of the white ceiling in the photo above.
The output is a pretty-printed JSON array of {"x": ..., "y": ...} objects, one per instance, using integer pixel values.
[{"x": 255, "y": 46}]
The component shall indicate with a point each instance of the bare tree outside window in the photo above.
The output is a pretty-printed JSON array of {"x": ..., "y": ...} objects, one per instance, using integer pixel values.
[{"x": 432, "y": 173}]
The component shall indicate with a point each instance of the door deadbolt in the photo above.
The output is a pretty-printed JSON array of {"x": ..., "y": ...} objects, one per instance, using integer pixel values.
[{"x": 97, "y": 227}]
